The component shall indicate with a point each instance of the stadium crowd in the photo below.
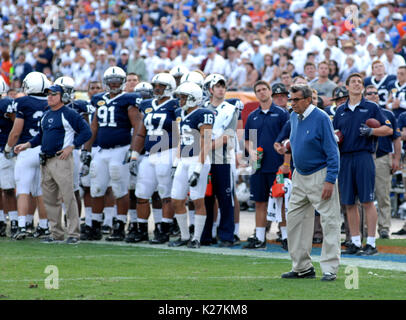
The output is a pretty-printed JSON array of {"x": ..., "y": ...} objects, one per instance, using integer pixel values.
[{"x": 222, "y": 46}]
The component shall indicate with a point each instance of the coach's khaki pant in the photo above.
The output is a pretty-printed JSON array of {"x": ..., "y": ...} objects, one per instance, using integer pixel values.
[
  {"x": 305, "y": 198},
  {"x": 383, "y": 181},
  {"x": 57, "y": 181}
]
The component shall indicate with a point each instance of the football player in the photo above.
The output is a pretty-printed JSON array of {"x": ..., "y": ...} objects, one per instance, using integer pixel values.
[
  {"x": 177, "y": 72},
  {"x": 29, "y": 110},
  {"x": 7, "y": 182},
  {"x": 382, "y": 81},
  {"x": 397, "y": 97},
  {"x": 158, "y": 135},
  {"x": 193, "y": 164},
  {"x": 116, "y": 115}
]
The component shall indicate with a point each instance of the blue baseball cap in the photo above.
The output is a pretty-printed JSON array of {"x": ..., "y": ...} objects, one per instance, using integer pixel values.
[{"x": 54, "y": 88}]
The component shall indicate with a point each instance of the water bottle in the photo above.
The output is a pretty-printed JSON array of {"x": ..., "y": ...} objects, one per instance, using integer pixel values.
[
  {"x": 280, "y": 178},
  {"x": 260, "y": 155}
]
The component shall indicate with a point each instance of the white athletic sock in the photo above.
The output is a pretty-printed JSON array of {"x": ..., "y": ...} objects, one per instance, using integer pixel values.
[
  {"x": 260, "y": 233},
  {"x": 108, "y": 216},
  {"x": 183, "y": 225},
  {"x": 218, "y": 217},
  {"x": 214, "y": 230},
  {"x": 122, "y": 217},
  {"x": 43, "y": 223},
  {"x": 199, "y": 226},
  {"x": 167, "y": 220},
  {"x": 237, "y": 228},
  {"x": 2, "y": 216},
  {"x": 97, "y": 217},
  {"x": 133, "y": 215},
  {"x": 88, "y": 216},
  {"x": 63, "y": 207},
  {"x": 13, "y": 215},
  {"x": 142, "y": 220},
  {"x": 356, "y": 240},
  {"x": 191, "y": 217},
  {"x": 29, "y": 218},
  {"x": 21, "y": 221},
  {"x": 371, "y": 241},
  {"x": 284, "y": 233},
  {"x": 157, "y": 215}
]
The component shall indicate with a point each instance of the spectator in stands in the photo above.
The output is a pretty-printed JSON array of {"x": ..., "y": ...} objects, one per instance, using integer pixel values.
[
  {"x": 251, "y": 77},
  {"x": 21, "y": 67},
  {"x": 333, "y": 71},
  {"x": 323, "y": 84},
  {"x": 43, "y": 56},
  {"x": 269, "y": 71}
]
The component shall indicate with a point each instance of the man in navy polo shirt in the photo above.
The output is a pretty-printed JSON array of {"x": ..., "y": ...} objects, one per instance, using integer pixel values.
[
  {"x": 61, "y": 130},
  {"x": 357, "y": 168},
  {"x": 261, "y": 130}
]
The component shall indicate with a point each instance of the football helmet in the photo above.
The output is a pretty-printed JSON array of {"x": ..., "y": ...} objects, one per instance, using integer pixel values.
[
  {"x": 178, "y": 71},
  {"x": 68, "y": 86},
  {"x": 194, "y": 77},
  {"x": 212, "y": 78},
  {"x": 145, "y": 90},
  {"x": 114, "y": 75},
  {"x": 193, "y": 92},
  {"x": 35, "y": 83},
  {"x": 168, "y": 81}
]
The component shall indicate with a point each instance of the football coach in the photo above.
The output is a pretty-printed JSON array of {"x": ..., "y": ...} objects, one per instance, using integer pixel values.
[
  {"x": 316, "y": 159},
  {"x": 61, "y": 130}
]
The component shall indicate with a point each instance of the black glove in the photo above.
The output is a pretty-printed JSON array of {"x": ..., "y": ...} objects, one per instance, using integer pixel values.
[
  {"x": 133, "y": 167},
  {"x": 85, "y": 170},
  {"x": 86, "y": 159},
  {"x": 10, "y": 154},
  {"x": 194, "y": 178},
  {"x": 84, "y": 154},
  {"x": 173, "y": 170},
  {"x": 365, "y": 130}
]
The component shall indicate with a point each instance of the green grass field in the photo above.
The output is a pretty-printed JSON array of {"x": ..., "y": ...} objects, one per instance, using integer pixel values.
[{"x": 104, "y": 271}]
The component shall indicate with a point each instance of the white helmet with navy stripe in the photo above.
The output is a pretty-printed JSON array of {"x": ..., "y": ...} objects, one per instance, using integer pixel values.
[
  {"x": 3, "y": 86},
  {"x": 168, "y": 81},
  {"x": 68, "y": 85},
  {"x": 114, "y": 75},
  {"x": 194, "y": 77},
  {"x": 193, "y": 92},
  {"x": 210, "y": 80},
  {"x": 35, "y": 83},
  {"x": 144, "y": 89},
  {"x": 178, "y": 71}
]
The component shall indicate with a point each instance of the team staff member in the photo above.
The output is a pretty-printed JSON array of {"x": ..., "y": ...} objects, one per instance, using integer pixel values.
[
  {"x": 61, "y": 130},
  {"x": 263, "y": 125},
  {"x": 357, "y": 168},
  {"x": 316, "y": 158},
  {"x": 386, "y": 164}
]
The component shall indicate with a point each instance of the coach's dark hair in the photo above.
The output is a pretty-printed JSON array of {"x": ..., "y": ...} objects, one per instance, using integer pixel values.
[
  {"x": 259, "y": 82},
  {"x": 303, "y": 88}
]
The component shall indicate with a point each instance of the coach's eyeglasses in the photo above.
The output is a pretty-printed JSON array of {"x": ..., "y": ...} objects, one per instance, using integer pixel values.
[
  {"x": 370, "y": 93},
  {"x": 296, "y": 99},
  {"x": 52, "y": 93}
]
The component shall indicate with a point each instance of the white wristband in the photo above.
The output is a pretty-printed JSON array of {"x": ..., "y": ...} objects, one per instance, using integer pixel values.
[
  {"x": 198, "y": 168},
  {"x": 134, "y": 155},
  {"x": 7, "y": 148}
]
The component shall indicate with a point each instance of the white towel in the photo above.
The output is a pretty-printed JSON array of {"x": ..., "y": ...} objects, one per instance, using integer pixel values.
[{"x": 275, "y": 204}]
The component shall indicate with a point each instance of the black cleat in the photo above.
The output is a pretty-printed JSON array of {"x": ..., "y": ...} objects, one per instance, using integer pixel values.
[
  {"x": 41, "y": 232},
  {"x": 178, "y": 243},
  {"x": 226, "y": 244},
  {"x": 86, "y": 233},
  {"x": 317, "y": 240},
  {"x": 20, "y": 234},
  {"x": 72, "y": 240},
  {"x": 328, "y": 276},
  {"x": 284, "y": 244},
  {"x": 140, "y": 234},
  {"x": 131, "y": 232},
  {"x": 237, "y": 240},
  {"x": 352, "y": 249},
  {"x": 96, "y": 233},
  {"x": 3, "y": 227},
  {"x": 174, "y": 228},
  {"x": 162, "y": 234},
  {"x": 401, "y": 232},
  {"x": 368, "y": 250},
  {"x": 106, "y": 229},
  {"x": 13, "y": 228},
  {"x": 29, "y": 229},
  {"x": 118, "y": 231},
  {"x": 254, "y": 243},
  {"x": 194, "y": 244},
  {"x": 307, "y": 274},
  {"x": 384, "y": 234}
]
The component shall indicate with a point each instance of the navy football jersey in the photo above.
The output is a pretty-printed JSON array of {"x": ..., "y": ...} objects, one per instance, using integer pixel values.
[
  {"x": 399, "y": 92},
  {"x": 6, "y": 106},
  {"x": 384, "y": 87},
  {"x": 82, "y": 107},
  {"x": 158, "y": 121},
  {"x": 402, "y": 124},
  {"x": 189, "y": 130},
  {"x": 385, "y": 144},
  {"x": 238, "y": 103},
  {"x": 31, "y": 110},
  {"x": 112, "y": 117}
]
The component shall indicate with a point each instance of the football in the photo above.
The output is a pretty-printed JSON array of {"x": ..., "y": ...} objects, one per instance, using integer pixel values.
[
  {"x": 339, "y": 136},
  {"x": 286, "y": 144},
  {"x": 373, "y": 123}
]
